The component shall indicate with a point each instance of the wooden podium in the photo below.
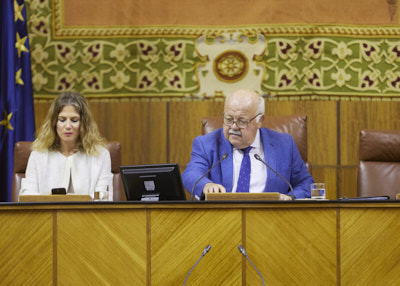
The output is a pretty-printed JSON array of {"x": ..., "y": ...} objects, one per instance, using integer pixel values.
[{"x": 54, "y": 198}]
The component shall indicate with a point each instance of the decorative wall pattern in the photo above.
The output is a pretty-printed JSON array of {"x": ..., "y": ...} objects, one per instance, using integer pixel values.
[{"x": 295, "y": 62}]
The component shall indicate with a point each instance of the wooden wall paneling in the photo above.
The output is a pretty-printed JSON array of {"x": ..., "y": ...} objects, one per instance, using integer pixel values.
[
  {"x": 185, "y": 125},
  {"x": 322, "y": 132},
  {"x": 370, "y": 246},
  {"x": 355, "y": 116},
  {"x": 321, "y": 126},
  {"x": 111, "y": 245},
  {"x": 179, "y": 237},
  {"x": 329, "y": 176},
  {"x": 348, "y": 177},
  {"x": 41, "y": 108},
  {"x": 301, "y": 241},
  {"x": 140, "y": 126},
  {"x": 322, "y": 136},
  {"x": 26, "y": 247}
]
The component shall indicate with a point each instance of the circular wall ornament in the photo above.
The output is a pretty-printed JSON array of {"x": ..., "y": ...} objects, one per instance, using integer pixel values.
[{"x": 231, "y": 66}]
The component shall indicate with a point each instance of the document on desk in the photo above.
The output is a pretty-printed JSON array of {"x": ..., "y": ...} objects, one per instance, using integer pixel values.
[{"x": 373, "y": 198}]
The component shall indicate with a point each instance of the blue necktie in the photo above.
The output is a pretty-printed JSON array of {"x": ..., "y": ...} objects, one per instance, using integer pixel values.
[{"x": 244, "y": 174}]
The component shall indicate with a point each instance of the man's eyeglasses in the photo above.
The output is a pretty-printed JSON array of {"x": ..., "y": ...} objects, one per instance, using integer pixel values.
[{"x": 229, "y": 121}]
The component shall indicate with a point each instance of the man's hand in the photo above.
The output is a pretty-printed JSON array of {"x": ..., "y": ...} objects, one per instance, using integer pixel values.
[
  {"x": 283, "y": 197},
  {"x": 213, "y": 188}
]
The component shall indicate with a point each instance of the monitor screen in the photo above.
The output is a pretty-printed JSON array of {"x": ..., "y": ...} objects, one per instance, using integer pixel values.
[{"x": 159, "y": 182}]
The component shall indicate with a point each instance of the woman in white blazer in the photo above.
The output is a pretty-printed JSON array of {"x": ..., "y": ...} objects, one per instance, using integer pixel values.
[{"x": 68, "y": 151}]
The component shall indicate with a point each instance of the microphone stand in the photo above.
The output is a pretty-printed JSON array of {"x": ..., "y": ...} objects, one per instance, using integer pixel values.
[
  {"x": 208, "y": 171},
  {"x": 241, "y": 249},
  {"x": 279, "y": 175},
  {"x": 206, "y": 249}
]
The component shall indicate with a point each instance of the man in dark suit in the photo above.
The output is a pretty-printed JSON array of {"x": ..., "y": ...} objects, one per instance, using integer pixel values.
[{"x": 241, "y": 137}]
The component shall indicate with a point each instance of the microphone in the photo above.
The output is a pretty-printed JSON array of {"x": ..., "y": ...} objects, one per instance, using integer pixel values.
[
  {"x": 279, "y": 175},
  {"x": 206, "y": 249},
  {"x": 241, "y": 249},
  {"x": 209, "y": 170}
]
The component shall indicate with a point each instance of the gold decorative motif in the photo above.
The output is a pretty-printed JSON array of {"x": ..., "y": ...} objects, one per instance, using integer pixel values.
[
  {"x": 231, "y": 66},
  {"x": 62, "y": 32}
]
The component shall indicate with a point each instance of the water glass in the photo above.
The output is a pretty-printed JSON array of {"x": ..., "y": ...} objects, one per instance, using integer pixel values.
[
  {"x": 100, "y": 193},
  {"x": 318, "y": 191}
]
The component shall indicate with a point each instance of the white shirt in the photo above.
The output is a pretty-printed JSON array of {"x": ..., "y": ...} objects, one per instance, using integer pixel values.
[
  {"x": 50, "y": 169},
  {"x": 258, "y": 174}
]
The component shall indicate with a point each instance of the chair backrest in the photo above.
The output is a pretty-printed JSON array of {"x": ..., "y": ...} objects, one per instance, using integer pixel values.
[
  {"x": 379, "y": 166},
  {"x": 295, "y": 125},
  {"x": 22, "y": 151}
]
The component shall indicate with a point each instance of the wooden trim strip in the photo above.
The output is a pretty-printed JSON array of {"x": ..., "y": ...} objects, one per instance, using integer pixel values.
[{"x": 55, "y": 264}]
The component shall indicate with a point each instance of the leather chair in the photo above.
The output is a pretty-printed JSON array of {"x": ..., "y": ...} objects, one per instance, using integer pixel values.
[
  {"x": 22, "y": 151},
  {"x": 379, "y": 166},
  {"x": 295, "y": 125}
]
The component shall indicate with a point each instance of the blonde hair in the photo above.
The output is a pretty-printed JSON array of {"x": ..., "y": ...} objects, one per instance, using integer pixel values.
[{"x": 89, "y": 139}]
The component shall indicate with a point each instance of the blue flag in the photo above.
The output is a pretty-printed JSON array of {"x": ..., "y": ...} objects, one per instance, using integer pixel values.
[{"x": 17, "y": 121}]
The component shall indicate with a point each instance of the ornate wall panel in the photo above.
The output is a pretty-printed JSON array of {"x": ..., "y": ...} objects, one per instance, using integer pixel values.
[{"x": 141, "y": 48}]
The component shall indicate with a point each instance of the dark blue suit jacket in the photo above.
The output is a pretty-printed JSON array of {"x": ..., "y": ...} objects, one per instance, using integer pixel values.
[{"x": 280, "y": 153}]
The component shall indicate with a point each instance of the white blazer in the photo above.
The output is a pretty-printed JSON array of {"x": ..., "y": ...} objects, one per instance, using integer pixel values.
[{"x": 50, "y": 169}]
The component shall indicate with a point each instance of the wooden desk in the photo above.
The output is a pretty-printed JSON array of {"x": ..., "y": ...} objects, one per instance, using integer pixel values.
[{"x": 291, "y": 243}]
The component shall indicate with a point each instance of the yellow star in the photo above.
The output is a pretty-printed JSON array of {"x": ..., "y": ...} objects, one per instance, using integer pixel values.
[
  {"x": 20, "y": 45},
  {"x": 18, "y": 11},
  {"x": 7, "y": 121},
  {"x": 18, "y": 79}
]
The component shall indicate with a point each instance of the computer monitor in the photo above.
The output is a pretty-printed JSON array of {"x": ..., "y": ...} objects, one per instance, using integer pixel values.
[{"x": 158, "y": 182}]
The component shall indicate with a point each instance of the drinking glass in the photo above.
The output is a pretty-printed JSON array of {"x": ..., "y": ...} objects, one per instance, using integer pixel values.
[
  {"x": 318, "y": 191},
  {"x": 101, "y": 193}
]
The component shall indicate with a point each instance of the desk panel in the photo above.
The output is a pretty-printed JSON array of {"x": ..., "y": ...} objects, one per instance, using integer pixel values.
[
  {"x": 370, "y": 246},
  {"x": 292, "y": 246},
  {"x": 26, "y": 247},
  {"x": 178, "y": 238},
  {"x": 98, "y": 247}
]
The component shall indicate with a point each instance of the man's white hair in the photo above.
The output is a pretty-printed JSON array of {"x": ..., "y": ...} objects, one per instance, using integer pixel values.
[
  {"x": 261, "y": 104},
  {"x": 261, "y": 108}
]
